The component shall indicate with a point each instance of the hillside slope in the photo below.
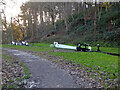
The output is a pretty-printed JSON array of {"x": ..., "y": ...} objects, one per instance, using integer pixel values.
[{"x": 91, "y": 26}]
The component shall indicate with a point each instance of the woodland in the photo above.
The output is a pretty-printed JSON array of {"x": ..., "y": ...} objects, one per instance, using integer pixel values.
[{"x": 65, "y": 22}]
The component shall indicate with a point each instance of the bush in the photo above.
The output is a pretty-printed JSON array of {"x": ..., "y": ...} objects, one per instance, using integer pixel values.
[
  {"x": 60, "y": 24},
  {"x": 117, "y": 22}
]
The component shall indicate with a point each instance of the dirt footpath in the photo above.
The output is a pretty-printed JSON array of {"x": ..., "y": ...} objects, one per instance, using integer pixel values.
[{"x": 44, "y": 74}]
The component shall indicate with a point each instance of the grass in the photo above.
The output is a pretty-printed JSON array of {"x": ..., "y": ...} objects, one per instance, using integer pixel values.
[
  {"x": 107, "y": 49},
  {"x": 10, "y": 80},
  {"x": 5, "y": 56},
  {"x": 37, "y": 48},
  {"x": 40, "y": 44},
  {"x": 45, "y": 47},
  {"x": 19, "y": 79},
  {"x": 93, "y": 60},
  {"x": 0, "y": 45},
  {"x": 26, "y": 70}
]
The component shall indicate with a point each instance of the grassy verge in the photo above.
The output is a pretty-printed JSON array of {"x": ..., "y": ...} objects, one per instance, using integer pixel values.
[
  {"x": 36, "y": 48},
  {"x": 26, "y": 70}
]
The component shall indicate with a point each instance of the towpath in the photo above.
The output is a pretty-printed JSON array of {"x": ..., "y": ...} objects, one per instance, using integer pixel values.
[{"x": 44, "y": 74}]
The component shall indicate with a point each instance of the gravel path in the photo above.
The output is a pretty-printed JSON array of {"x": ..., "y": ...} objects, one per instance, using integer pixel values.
[{"x": 44, "y": 74}]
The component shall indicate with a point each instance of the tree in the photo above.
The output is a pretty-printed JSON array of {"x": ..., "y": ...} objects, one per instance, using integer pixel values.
[{"x": 17, "y": 32}]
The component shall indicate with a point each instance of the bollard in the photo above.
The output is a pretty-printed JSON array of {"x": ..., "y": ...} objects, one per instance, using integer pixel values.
[
  {"x": 90, "y": 48},
  {"x": 79, "y": 47},
  {"x": 26, "y": 44},
  {"x": 98, "y": 47}
]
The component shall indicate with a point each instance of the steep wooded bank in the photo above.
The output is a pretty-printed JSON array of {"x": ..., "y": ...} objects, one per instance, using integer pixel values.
[
  {"x": 66, "y": 23},
  {"x": 105, "y": 29}
]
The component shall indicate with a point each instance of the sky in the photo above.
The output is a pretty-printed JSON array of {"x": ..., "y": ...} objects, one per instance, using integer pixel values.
[{"x": 12, "y": 8}]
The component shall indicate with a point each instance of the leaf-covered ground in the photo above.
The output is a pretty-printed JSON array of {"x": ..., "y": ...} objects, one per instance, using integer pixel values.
[{"x": 13, "y": 72}]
